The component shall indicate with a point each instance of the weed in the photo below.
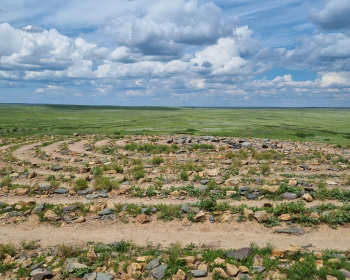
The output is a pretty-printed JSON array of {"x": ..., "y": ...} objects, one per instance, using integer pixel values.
[
  {"x": 157, "y": 160},
  {"x": 184, "y": 176},
  {"x": 105, "y": 183},
  {"x": 80, "y": 184},
  {"x": 30, "y": 245},
  {"x": 7, "y": 249}
]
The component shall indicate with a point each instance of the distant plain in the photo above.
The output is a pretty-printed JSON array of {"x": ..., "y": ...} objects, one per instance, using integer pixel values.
[{"x": 322, "y": 125}]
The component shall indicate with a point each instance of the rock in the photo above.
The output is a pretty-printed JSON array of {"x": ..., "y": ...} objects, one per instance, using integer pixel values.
[
  {"x": 219, "y": 261},
  {"x": 159, "y": 271},
  {"x": 243, "y": 269},
  {"x": 190, "y": 260},
  {"x": 314, "y": 215},
  {"x": 42, "y": 276},
  {"x": 85, "y": 191},
  {"x": 36, "y": 271},
  {"x": 213, "y": 173},
  {"x": 258, "y": 269},
  {"x": 185, "y": 208},
  {"x": 307, "y": 197},
  {"x": 199, "y": 217},
  {"x": 14, "y": 175},
  {"x": 285, "y": 217},
  {"x": 261, "y": 216},
  {"x": 253, "y": 195},
  {"x": 292, "y": 182},
  {"x": 231, "y": 270},
  {"x": 319, "y": 264},
  {"x": 268, "y": 188},
  {"x": 152, "y": 264},
  {"x": 91, "y": 255},
  {"x": 39, "y": 208},
  {"x": 45, "y": 186},
  {"x": 243, "y": 276},
  {"x": 247, "y": 144},
  {"x": 73, "y": 265},
  {"x": 289, "y": 196},
  {"x": 220, "y": 272},
  {"x": 295, "y": 231},
  {"x": 90, "y": 276},
  {"x": 104, "y": 276},
  {"x": 61, "y": 191},
  {"x": 22, "y": 191},
  {"x": 230, "y": 193},
  {"x": 248, "y": 213},
  {"x": 276, "y": 253},
  {"x": 257, "y": 260},
  {"x": 143, "y": 218},
  {"x": 318, "y": 255},
  {"x": 107, "y": 211},
  {"x": 345, "y": 272},
  {"x": 199, "y": 273},
  {"x": 51, "y": 215},
  {"x": 241, "y": 254}
]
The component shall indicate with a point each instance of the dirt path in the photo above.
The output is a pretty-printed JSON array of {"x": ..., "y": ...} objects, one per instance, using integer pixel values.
[
  {"x": 223, "y": 235},
  {"x": 25, "y": 152},
  {"x": 153, "y": 201}
]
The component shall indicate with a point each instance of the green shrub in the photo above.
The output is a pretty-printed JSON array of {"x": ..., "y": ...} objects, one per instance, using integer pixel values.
[
  {"x": 7, "y": 249},
  {"x": 6, "y": 181},
  {"x": 105, "y": 183},
  {"x": 30, "y": 245},
  {"x": 184, "y": 176},
  {"x": 265, "y": 168},
  {"x": 157, "y": 160},
  {"x": 80, "y": 184}
]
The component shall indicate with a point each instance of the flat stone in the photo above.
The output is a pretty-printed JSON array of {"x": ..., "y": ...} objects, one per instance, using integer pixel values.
[
  {"x": 107, "y": 211},
  {"x": 199, "y": 273},
  {"x": 143, "y": 218},
  {"x": 295, "y": 231},
  {"x": 85, "y": 191},
  {"x": 159, "y": 271},
  {"x": 44, "y": 186},
  {"x": 51, "y": 215},
  {"x": 56, "y": 168},
  {"x": 39, "y": 208},
  {"x": 241, "y": 254},
  {"x": 90, "y": 276},
  {"x": 42, "y": 276},
  {"x": 231, "y": 270},
  {"x": 61, "y": 191},
  {"x": 289, "y": 196},
  {"x": 104, "y": 276},
  {"x": 71, "y": 266},
  {"x": 220, "y": 272},
  {"x": 258, "y": 269},
  {"x": 252, "y": 196},
  {"x": 152, "y": 264}
]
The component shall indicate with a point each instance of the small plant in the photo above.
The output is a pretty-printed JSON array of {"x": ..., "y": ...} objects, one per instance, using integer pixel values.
[
  {"x": 67, "y": 251},
  {"x": 6, "y": 249},
  {"x": 30, "y": 245},
  {"x": 80, "y": 184},
  {"x": 184, "y": 176},
  {"x": 265, "y": 168},
  {"x": 157, "y": 160},
  {"x": 6, "y": 181},
  {"x": 105, "y": 183}
]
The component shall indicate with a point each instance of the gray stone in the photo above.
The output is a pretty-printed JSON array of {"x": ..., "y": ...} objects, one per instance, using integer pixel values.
[
  {"x": 290, "y": 196},
  {"x": 102, "y": 194},
  {"x": 69, "y": 208},
  {"x": 152, "y": 264},
  {"x": 185, "y": 208},
  {"x": 211, "y": 219},
  {"x": 61, "y": 191},
  {"x": 241, "y": 254},
  {"x": 90, "y": 276},
  {"x": 246, "y": 144},
  {"x": 295, "y": 231},
  {"x": 345, "y": 272},
  {"x": 204, "y": 182},
  {"x": 56, "y": 168},
  {"x": 85, "y": 191},
  {"x": 108, "y": 218},
  {"x": 252, "y": 196},
  {"x": 284, "y": 266},
  {"x": 91, "y": 196},
  {"x": 71, "y": 266},
  {"x": 199, "y": 273},
  {"x": 45, "y": 186},
  {"x": 202, "y": 188},
  {"x": 159, "y": 271},
  {"x": 243, "y": 276},
  {"x": 39, "y": 208},
  {"x": 243, "y": 190},
  {"x": 104, "y": 276},
  {"x": 144, "y": 210},
  {"x": 107, "y": 211},
  {"x": 36, "y": 271},
  {"x": 258, "y": 269},
  {"x": 7, "y": 209}
]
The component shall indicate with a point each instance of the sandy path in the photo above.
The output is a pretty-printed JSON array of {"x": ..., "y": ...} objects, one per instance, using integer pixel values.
[
  {"x": 223, "y": 235},
  {"x": 24, "y": 154},
  {"x": 153, "y": 201},
  {"x": 102, "y": 143}
]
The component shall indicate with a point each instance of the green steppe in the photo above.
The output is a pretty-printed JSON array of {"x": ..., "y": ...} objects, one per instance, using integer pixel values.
[{"x": 309, "y": 124}]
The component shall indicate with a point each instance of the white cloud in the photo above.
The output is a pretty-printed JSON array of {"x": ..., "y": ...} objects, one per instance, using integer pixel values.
[
  {"x": 335, "y": 79},
  {"x": 49, "y": 88},
  {"x": 334, "y": 16}
]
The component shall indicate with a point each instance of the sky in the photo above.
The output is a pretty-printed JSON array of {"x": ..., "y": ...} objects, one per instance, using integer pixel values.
[{"x": 222, "y": 53}]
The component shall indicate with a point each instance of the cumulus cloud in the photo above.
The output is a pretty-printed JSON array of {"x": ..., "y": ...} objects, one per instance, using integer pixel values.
[
  {"x": 334, "y": 16},
  {"x": 167, "y": 28}
]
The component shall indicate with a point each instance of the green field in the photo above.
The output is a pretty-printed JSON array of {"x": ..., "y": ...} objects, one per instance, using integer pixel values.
[{"x": 318, "y": 125}]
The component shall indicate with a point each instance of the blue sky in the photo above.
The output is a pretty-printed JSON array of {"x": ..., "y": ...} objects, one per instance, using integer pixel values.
[{"x": 272, "y": 53}]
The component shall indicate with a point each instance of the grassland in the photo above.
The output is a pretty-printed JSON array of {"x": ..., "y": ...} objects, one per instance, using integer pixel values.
[{"x": 317, "y": 125}]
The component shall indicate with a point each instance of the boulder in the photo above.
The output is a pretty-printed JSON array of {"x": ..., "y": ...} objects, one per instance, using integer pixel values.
[{"x": 261, "y": 216}]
